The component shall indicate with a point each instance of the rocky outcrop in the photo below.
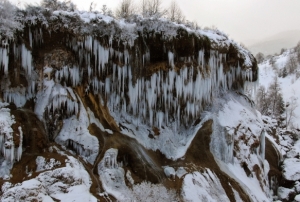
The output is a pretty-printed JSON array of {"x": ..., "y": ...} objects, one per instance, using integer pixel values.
[{"x": 141, "y": 87}]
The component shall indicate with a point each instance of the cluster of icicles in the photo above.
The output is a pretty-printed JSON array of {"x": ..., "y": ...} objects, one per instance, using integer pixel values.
[
  {"x": 18, "y": 95},
  {"x": 7, "y": 147},
  {"x": 65, "y": 105},
  {"x": 164, "y": 98},
  {"x": 79, "y": 148},
  {"x": 175, "y": 96}
]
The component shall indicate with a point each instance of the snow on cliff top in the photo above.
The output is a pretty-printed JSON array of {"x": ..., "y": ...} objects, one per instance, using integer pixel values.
[{"x": 83, "y": 22}]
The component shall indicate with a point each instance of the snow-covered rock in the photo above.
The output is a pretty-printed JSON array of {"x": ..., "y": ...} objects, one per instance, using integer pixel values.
[
  {"x": 70, "y": 183},
  {"x": 291, "y": 169},
  {"x": 283, "y": 193},
  {"x": 43, "y": 164},
  {"x": 169, "y": 172}
]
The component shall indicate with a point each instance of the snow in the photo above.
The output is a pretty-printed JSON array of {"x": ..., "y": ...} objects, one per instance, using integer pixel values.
[
  {"x": 203, "y": 187},
  {"x": 70, "y": 183},
  {"x": 297, "y": 198},
  {"x": 291, "y": 169},
  {"x": 250, "y": 185}
]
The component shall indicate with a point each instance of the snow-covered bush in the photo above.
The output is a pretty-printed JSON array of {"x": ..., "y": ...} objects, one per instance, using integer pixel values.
[
  {"x": 8, "y": 23},
  {"x": 149, "y": 192}
]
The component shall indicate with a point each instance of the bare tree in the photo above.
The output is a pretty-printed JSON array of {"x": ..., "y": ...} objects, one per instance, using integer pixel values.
[
  {"x": 260, "y": 57},
  {"x": 175, "y": 14},
  {"x": 152, "y": 8},
  {"x": 261, "y": 100},
  {"x": 273, "y": 97},
  {"x": 297, "y": 50},
  {"x": 92, "y": 6},
  {"x": 125, "y": 9},
  {"x": 282, "y": 50},
  {"x": 66, "y": 5},
  {"x": 291, "y": 64},
  {"x": 106, "y": 11},
  {"x": 290, "y": 110}
]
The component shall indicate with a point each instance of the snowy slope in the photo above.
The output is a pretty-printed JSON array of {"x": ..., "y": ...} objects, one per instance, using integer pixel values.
[
  {"x": 285, "y": 140},
  {"x": 289, "y": 84}
]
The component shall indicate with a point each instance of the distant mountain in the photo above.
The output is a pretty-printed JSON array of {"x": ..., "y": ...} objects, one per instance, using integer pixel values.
[{"x": 273, "y": 44}]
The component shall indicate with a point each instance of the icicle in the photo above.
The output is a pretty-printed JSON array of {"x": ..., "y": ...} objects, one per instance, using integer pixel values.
[
  {"x": 4, "y": 59},
  {"x": 262, "y": 145},
  {"x": 20, "y": 144},
  {"x": 1, "y": 141},
  {"x": 30, "y": 37},
  {"x": 171, "y": 59},
  {"x": 26, "y": 60}
]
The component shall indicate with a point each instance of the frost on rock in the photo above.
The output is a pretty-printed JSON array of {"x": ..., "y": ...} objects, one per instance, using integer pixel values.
[
  {"x": 9, "y": 152},
  {"x": 70, "y": 183},
  {"x": 112, "y": 176},
  {"x": 204, "y": 186}
]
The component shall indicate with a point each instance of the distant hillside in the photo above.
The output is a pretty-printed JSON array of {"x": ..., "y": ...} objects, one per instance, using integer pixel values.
[{"x": 273, "y": 44}]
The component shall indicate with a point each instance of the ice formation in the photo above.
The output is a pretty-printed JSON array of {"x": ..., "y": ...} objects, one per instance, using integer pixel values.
[
  {"x": 112, "y": 176},
  {"x": 163, "y": 98},
  {"x": 4, "y": 59},
  {"x": 8, "y": 150}
]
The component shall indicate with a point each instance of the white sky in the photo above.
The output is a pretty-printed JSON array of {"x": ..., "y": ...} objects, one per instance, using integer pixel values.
[{"x": 244, "y": 21}]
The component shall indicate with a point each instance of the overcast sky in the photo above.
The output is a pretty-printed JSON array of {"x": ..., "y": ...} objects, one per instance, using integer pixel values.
[{"x": 244, "y": 21}]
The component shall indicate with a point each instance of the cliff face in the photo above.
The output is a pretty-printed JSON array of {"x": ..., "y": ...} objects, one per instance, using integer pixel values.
[{"x": 137, "y": 86}]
